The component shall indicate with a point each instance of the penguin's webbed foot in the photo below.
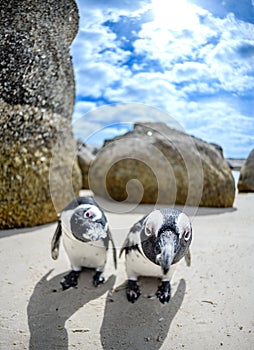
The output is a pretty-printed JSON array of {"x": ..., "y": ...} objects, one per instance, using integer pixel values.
[
  {"x": 133, "y": 291},
  {"x": 70, "y": 280},
  {"x": 98, "y": 278},
  {"x": 164, "y": 292}
]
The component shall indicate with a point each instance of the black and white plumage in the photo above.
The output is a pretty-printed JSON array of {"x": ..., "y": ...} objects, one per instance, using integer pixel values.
[
  {"x": 86, "y": 237},
  {"x": 153, "y": 245}
]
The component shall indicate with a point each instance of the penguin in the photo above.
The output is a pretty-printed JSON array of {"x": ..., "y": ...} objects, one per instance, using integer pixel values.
[
  {"x": 86, "y": 237},
  {"x": 155, "y": 243}
]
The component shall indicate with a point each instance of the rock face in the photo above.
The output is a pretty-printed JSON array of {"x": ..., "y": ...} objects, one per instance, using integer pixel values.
[
  {"x": 85, "y": 159},
  {"x": 235, "y": 164},
  {"x": 157, "y": 164},
  {"x": 36, "y": 104},
  {"x": 246, "y": 178}
]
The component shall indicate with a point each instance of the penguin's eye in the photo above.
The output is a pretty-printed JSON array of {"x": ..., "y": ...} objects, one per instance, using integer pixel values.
[{"x": 187, "y": 234}]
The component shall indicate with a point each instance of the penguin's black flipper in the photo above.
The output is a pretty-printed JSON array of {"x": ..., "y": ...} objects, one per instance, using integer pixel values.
[
  {"x": 113, "y": 247},
  {"x": 56, "y": 241}
]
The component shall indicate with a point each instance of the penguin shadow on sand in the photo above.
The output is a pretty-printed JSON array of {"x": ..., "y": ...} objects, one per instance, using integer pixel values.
[
  {"x": 142, "y": 325},
  {"x": 49, "y": 308}
]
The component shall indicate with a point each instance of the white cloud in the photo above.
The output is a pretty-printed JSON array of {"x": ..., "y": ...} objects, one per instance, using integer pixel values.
[
  {"x": 81, "y": 108},
  {"x": 222, "y": 124},
  {"x": 143, "y": 88},
  {"x": 199, "y": 87},
  {"x": 84, "y": 128},
  {"x": 94, "y": 78},
  {"x": 176, "y": 36},
  {"x": 178, "y": 15},
  {"x": 189, "y": 71},
  {"x": 215, "y": 44},
  {"x": 198, "y": 56}
]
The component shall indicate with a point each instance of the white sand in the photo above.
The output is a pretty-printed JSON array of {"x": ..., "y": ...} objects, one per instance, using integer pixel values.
[{"x": 211, "y": 307}]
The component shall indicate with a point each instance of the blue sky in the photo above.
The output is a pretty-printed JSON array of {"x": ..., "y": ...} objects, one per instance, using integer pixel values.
[{"x": 187, "y": 63}]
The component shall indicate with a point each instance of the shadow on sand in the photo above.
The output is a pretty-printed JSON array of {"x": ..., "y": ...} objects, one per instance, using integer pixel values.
[
  {"x": 49, "y": 307},
  {"x": 143, "y": 325}
]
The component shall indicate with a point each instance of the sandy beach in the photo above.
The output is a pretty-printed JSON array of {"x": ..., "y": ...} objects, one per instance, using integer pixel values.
[{"x": 211, "y": 307}]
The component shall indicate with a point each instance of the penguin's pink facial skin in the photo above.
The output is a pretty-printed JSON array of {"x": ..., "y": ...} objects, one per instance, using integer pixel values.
[
  {"x": 153, "y": 223},
  {"x": 91, "y": 212},
  {"x": 187, "y": 234}
]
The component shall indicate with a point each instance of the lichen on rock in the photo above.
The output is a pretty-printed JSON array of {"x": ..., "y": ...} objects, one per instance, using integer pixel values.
[{"x": 36, "y": 104}]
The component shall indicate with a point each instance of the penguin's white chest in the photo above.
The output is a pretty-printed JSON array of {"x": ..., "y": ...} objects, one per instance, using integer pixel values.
[
  {"x": 138, "y": 265},
  {"x": 81, "y": 254}
]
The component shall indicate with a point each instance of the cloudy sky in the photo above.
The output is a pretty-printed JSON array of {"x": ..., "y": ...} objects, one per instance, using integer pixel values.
[{"x": 189, "y": 63}]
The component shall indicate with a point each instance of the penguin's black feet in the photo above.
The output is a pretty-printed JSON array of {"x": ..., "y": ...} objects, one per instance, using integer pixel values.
[
  {"x": 70, "y": 280},
  {"x": 98, "y": 278},
  {"x": 164, "y": 292},
  {"x": 133, "y": 291}
]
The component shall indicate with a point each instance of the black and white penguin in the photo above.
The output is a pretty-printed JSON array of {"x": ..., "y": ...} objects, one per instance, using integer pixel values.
[
  {"x": 86, "y": 237},
  {"x": 153, "y": 244}
]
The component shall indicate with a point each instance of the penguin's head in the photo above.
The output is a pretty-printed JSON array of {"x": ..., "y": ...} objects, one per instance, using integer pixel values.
[
  {"x": 166, "y": 235},
  {"x": 88, "y": 223}
]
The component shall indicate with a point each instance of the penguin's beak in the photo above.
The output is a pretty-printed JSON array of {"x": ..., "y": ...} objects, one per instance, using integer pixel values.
[{"x": 166, "y": 247}]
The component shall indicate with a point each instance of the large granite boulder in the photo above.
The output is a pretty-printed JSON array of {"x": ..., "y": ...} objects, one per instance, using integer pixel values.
[
  {"x": 85, "y": 159},
  {"x": 36, "y": 103},
  {"x": 246, "y": 178},
  {"x": 157, "y": 164}
]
